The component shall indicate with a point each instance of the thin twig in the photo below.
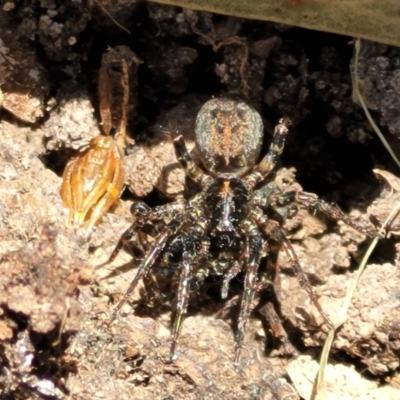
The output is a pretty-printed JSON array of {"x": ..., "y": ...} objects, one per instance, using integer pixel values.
[
  {"x": 361, "y": 100},
  {"x": 111, "y": 17},
  {"x": 318, "y": 393}
]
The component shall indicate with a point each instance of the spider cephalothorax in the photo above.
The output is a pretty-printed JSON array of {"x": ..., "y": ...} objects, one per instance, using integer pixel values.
[{"x": 226, "y": 228}]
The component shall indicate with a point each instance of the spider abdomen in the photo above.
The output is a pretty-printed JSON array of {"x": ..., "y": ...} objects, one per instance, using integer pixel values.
[{"x": 229, "y": 136}]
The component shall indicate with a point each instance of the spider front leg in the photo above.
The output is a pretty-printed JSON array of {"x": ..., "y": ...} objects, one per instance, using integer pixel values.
[
  {"x": 253, "y": 252},
  {"x": 153, "y": 254},
  {"x": 143, "y": 215},
  {"x": 271, "y": 309},
  {"x": 273, "y": 319},
  {"x": 274, "y": 232},
  {"x": 228, "y": 268},
  {"x": 232, "y": 271},
  {"x": 140, "y": 212},
  {"x": 191, "y": 255}
]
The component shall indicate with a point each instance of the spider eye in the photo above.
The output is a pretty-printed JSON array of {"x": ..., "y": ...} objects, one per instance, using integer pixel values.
[{"x": 229, "y": 136}]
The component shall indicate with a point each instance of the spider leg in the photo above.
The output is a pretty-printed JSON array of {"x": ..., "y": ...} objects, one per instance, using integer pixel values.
[
  {"x": 167, "y": 211},
  {"x": 193, "y": 171},
  {"x": 273, "y": 231},
  {"x": 233, "y": 270},
  {"x": 331, "y": 210},
  {"x": 275, "y": 324},
  {"x": 125, "y": 238},
  {"x": 190, "y": 257},
  {"x": 143, "y": 214},
  {"x": 140, "y": 212},
  {"x": 202, "y": 262},
  {"x": 253, "y": 260},
  {"x": 271, "y": 309},
  {"x": 170, "y": 229},
  {"x": 170, "y": 268},
  {"x": 273, "y": 279},
  {"x": 266, "y": 165}
]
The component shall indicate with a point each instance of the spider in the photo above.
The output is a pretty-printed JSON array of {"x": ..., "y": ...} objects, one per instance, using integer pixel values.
[{"x": 228, "y": 226}]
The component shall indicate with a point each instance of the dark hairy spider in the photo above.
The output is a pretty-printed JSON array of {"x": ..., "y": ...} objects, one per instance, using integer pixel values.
[{"x": 228, "y": 226}]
